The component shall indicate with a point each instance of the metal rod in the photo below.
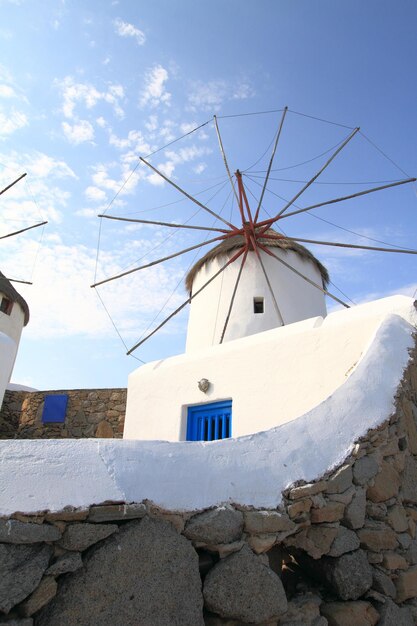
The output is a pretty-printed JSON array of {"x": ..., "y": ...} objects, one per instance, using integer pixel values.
[
  {"x": 22, "y": 230},
  {"x": 169, "y": 224},
  {"x": 354, "y": 246},
  {"x": 268, "y": 251},
  {"x": 224, "y": 156},
  {"x": 197, "y": 202},
  {"x": 234, "y": 294},
  {"x": 270, "y": 164},
  {"x": 13, "y": 183},
  {"x": 311, "y": 181},
  {"x": 171, "y": 256},
  {"x": 280, "y": 318},
  {"x": 353, "y": 195},
  {"x": 231, "y": 260}
]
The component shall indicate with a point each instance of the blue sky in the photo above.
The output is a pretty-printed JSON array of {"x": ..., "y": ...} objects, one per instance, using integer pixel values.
[{"x": 88, "y": 87}]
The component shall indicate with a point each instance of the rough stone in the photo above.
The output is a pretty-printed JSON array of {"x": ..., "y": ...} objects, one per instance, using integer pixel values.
[
  {"x": 303, "y": 609},
  {"x": 345, "y": 496},
  {"x": 354, "y": 516},
  {"x": 241, "y": 587},
  {"x": 316, "y": 540},
  {"x": 386, "y": 484},
  {"x": 69, "y": 562},
  {"x": 383, "y": 583},
  {"x": 340, "y": 481},
  {"x": 411, "y": 554},
  {"x": 104, "y": 429},
  {"x": 357, "y": 613},
  {"x": 345, "y": 541},
  {"x": 376, "y": 539},
  {"x": 307, "y": 490},
  {"x": 376, "y": 511},
  {"x": 27, "y": 621},
  {"x": 267, "y": 522},
  {"x": 332, "y": 512},
  {"x": 393, "y": 560},
  {"x": 145, "y": 574},
  {"x": 41, "y": 596},
  {"x": 410, "y": 425},
  {"x": 262, "y": 543},
  {"x": 79, "y": 537},
  {"x": 409, "y": 481},
  {"x": 221, "y": 525},
  {"x": 393, "y": 615},
  {"x": 298, "y": 508},
  {"x": 116, "y": 512},
  {"x": 397, "y": 518},
  {"x": 67, "y": 515},
  {"x": 14, "y": 531},
  {"x": 364, "y": 469},
  {"x": 407, "y": 584},
  {"x": 21, "y": 569},
  {"x": 349, "y": 576}
]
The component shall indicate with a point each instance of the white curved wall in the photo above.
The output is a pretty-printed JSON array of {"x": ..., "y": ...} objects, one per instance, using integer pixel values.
[
  {"x": 272, "y": 377},
  {"x": 251, "y": 471},
  {"x": 297, "y": 299},
  {"x": 12, "y": 325},
  {"x": 8, "y": 350}
]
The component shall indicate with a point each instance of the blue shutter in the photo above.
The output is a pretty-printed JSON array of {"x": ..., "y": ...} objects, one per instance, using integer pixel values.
[
  {"x": 208, "y": 422},
  {"x": 54, "y": 409}
]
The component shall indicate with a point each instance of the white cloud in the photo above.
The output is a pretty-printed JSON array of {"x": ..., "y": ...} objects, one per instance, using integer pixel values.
[
  {"x": 100, "y": 121},
  {"x": 79, "y": 132},
  {"x": 7, "y": 92},
  {"x": 40, "y": 195},
  {"x": 209, "y": 96},
  {"x": 94, "y": 193},
  {"x": 86, "y": 212},
  {"x": 74, "y": 93},
  {"x": 154, "y": 92},
  {"x": 199, "y": 169},
  {"x": 11, "y": 121},
  {"x": 134, "y": 139},
  {"x": 124, "y": 29}
]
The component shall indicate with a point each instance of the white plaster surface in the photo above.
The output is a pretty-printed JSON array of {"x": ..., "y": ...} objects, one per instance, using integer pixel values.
[
  {"x": 12, "y": 324},
  {"x": 252, "y": 470},
  {"x": 272, "y": 377},
  {"x": 8, "y": 349},
  {"x": 296, "y": 298}
]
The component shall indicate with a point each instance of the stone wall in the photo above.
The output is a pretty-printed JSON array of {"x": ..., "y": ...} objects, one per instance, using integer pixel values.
[
  {"x": 90, "y": 413},
  {"x": 340, "y": 551}
]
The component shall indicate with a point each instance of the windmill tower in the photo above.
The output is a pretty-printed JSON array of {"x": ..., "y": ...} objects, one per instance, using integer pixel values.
[
  {"x": 262, "y": 301},
  {"x": 14, "y": 315}
]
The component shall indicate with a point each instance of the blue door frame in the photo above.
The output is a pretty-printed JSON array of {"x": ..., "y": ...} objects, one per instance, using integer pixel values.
[{"x": 208, "y": 422}]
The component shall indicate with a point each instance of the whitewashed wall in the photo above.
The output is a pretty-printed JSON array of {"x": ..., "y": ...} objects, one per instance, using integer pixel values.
[
  {"x": 272, "y": 377},
  {"x": 297, "y": 299},
  {"x": 8, "y": 350},
  {"x": 12, "y": 325}
]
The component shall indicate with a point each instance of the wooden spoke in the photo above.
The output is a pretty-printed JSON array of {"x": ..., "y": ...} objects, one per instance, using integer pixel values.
[
  {"x": 13, "y": 183},
  {"x": 268, "y": 223},
  {"x": 231, "y": 260},
  {"x": 197, "y": 202},
  {"x": 353, "y": 195},
  {"x": 354, "y": 246},
  {"x": 224, "y": 156},
  {"x": 234, "y": 295},
  {"x": 290, "y": 267},
  {"x": 15, "y": 280},
  {"x": 169, "y": 224},
  {"x": 22, "y": 230},
  {"x": 270, "y": 164},
  {"x": 171, "y": 256}
]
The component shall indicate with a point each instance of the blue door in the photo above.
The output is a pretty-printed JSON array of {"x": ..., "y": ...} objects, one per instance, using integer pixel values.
[{"x": 207, "y": 422}]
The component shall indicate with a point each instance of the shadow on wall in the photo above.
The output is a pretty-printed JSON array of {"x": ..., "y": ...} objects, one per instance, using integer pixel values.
[{"x": 75, "y": 413}]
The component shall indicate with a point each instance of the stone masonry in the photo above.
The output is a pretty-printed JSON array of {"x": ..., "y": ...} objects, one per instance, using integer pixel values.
[
  {"x": 340, "y": 551},
  {"x": 90, "y": 413}
]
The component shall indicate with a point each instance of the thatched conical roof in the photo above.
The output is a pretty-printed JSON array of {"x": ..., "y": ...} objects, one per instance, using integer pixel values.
[
  {"x": 236, "y": 242},
  {"x": 10, "y": 292}
]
